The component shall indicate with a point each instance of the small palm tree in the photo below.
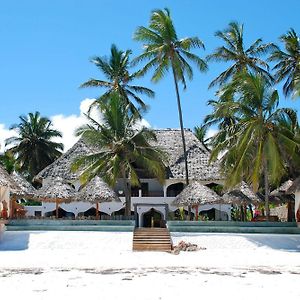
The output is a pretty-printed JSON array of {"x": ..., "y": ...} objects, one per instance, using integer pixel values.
[
  {"x": 259, "y": 144},
  {"x": 234, "y": 52},
  {"x": 118, "y": 79},
  {"x": 34, "y": 148},
  {"x": 123, "y": 149},
  {"x": 201, "y": 133},
  {"x": 164, "y": 51},
  {"x": 288, "y": 62}
]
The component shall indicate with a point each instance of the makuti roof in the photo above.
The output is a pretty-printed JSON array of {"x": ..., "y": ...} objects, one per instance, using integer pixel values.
[{"x": 168, "y": 140}]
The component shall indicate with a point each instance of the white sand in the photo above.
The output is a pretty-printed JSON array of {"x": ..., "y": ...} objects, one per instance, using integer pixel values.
[{"x": 101, "y": 265}]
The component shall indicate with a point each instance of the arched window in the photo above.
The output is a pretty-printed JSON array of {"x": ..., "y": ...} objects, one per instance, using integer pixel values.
[{"x": 174, "y": 189}]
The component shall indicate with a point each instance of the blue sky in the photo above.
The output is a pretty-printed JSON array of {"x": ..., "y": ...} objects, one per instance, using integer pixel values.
[{"x": 46, "y": 46}]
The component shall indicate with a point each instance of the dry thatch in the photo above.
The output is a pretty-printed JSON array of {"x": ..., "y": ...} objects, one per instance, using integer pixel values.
[
  {"x": 6, "y": 179},
  {"x": 283, "y": 188},
  {"x": 196, "y": 194},
  {"x": 295, "y": 187},
  {"x": 24, "y": 189},
  {"x": 168, "y": 140},
  {"x": 247, "y": 191},
  {"x": 56, "y": 189},
  {"x": 96, "y": 191},
  {"x": 236, "y": 197}
]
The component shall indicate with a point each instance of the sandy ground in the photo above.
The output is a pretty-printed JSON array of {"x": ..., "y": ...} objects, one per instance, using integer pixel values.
[{"x": 73, "y": 265}]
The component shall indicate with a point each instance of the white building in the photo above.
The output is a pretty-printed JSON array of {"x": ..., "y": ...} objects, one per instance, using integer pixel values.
[{"x": 151, "y": 199}]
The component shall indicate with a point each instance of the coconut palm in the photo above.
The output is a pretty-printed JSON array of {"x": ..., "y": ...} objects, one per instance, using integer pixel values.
[
  {"x": 34, "y": 147},
  {"x": 234, "y": 52},
  {"x": 259, "y": 144},
  {"x": 163, "y": 51},
  {"x": 201, "y": 133},
  {"x": 124, "y": 148},
  {"x": 288, "y": 62},
  {"x": 115, "y": 69}
]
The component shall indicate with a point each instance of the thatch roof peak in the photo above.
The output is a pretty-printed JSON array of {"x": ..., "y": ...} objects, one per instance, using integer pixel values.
[
  {"x": 196, "y": 194},
  {"x": 168, "y": 140}
]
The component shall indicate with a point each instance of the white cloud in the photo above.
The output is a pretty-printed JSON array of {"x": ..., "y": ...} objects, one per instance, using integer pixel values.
[
  {"x": 66, "y": 125},
  {"x": 4, "y": 134},
  {"x": 211, "y": 132}
]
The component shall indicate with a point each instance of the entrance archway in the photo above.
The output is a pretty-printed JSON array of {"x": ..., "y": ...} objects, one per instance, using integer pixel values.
[{"x": 152, "y": 218}]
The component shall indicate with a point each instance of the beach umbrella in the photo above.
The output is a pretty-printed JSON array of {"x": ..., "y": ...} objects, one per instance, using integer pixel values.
[
  {"x": 285, "y": 188},
  {"x": 241, "y": 194},
  {"x": 96, "y": 191},
  {"x": 196, "y": 194},
  {"x": 56, "y": 190}
]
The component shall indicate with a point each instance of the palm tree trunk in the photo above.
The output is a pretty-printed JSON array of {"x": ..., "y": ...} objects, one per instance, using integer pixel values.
[
  {"x": 266, "y": 189},
  {"x": 182, "y": 132},
  {"x": 127, "y": 195}
]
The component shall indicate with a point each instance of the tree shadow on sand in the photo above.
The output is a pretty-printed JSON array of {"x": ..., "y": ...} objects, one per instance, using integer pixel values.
[{"x": 14, "y": 241}]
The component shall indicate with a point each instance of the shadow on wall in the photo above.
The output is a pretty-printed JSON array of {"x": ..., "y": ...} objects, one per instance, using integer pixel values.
[{"x": 14, "y": 241}]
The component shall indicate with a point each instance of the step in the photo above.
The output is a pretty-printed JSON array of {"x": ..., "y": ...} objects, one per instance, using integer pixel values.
[{"x": 152, "y": 239}]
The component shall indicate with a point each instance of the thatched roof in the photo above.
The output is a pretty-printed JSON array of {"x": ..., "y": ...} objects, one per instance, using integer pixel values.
[
  {"x": 6, "y": 179},
  {"x": 168, "y": 139},
  {"x": 247, "y": 191},
  {"x": 24, "y": 189},
  {"x": 196, "y": 194},
  {"x": 55, "y": 189},
  {"x": 295, "y": 187},
  {"x": 283, "y": 188},
  {"x": 97, "y": 191},
  {"x": 236, "y": 197}
]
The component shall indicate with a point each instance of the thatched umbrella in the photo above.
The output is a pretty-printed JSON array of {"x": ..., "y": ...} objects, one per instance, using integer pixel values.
[
  {"x": 6, "y": 180},
  {"x": 96, "y": 191},
  {"x": 56, "y": 190},
  {"x": 24, "y": 188},
  {"x": 285, "y": 188},
  {"x": 196, "y": 194},
  {"x": 242, "y": 195}
]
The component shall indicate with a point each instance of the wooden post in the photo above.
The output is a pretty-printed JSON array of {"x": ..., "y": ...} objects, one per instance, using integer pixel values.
[
  {"x": 56, "y": 207},
  {"x": 197, "y": 212},
  {"x": 97, "y": 210},
  {"x": 12, "y": 207}
]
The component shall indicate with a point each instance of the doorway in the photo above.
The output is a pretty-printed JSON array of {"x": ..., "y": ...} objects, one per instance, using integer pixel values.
[{"x": 153, "y": 218}]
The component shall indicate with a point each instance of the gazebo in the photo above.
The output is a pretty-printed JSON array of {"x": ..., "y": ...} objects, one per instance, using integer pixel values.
[
  {"x": 96, "y": 191},
  {"x": 56, "y": 190},
  {"x": 196, "y": 194}
]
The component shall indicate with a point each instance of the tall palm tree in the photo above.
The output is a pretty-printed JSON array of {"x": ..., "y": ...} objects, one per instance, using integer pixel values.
[
  {"x": 288, "y": 62},
  {"x": 123, "y": 149},
  {"x": 260, "y": 144},
  {"x": 234, "y": 52},
  {"x": 164, "y": 51},
  {"x": 33, "y": 147},
  {"x": 118, "y": 79}
]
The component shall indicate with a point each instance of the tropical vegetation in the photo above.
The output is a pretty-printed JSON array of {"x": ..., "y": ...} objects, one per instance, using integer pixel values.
[
  {"x": 124, "y": 148},
  {"x": 34, "y": 148},
  {"x": 261, "y": 134},
  {"x": 115, "y": 70}
]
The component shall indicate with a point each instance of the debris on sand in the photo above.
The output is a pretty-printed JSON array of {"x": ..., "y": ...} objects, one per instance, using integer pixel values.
[{"x": 185, "y": 246}]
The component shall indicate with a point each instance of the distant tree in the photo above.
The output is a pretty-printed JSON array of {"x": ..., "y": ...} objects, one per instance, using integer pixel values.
[
  {"x": 288, "y": 63},
  {"x": 8, "y": 161},
  {"x": 234, "y": 52},
  {"x": 33, "y": 148},
  {"x": 118, "y": 79},
  {"x": 123, "y": 148}
]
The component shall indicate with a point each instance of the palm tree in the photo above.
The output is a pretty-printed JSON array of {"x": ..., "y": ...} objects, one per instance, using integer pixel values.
[
  {"x": 124, "y": 149},
  {"x": 34, "y": 148},
  {"x": 8, "y": 161},
  {"x": 164, "y": 51},
  {"x": 118, "y": 79},
  {"x": 234, "y": 52},
  {"x": 260, "y": 143},
  {"x": 288, "y": 62},
  {"x": 200, "y": 133}
]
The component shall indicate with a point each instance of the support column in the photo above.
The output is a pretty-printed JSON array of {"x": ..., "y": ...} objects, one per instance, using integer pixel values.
[{"x": 56, "y": 208}]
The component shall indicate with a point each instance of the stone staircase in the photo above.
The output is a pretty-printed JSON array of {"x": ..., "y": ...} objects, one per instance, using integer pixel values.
[{"x": 152, "y": 239}]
